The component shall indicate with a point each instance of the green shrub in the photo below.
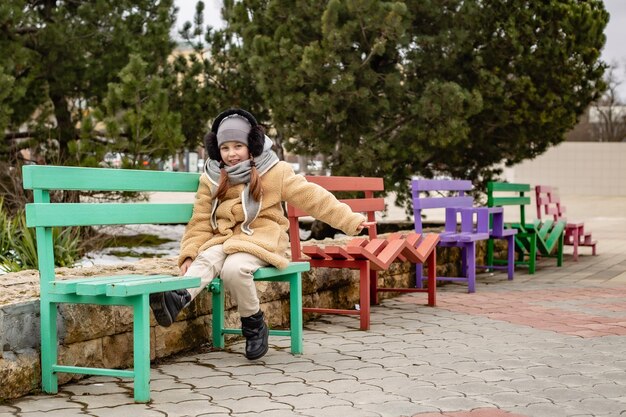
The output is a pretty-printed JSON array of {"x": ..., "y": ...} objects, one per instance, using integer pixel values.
[{"x": 18, "y": 244}]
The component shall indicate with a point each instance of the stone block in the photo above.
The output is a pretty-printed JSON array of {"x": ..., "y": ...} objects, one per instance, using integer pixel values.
[
  {"x": 123, "y": 319},
  {"x": 19, "y": 326},
  {"x": 20, "y": 373},
  {"x": 275, "y": 314},
  {"x": 180, "y": 336},
  {"x": 117, "y": 350},
  {"x": 88, "y": 353},
  {"x": 85, "y": 322},
  {"x": 202, "y": 304}
]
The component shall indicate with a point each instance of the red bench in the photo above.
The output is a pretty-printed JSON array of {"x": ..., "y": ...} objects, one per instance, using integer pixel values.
[
  {"x": 548, "y": 203},
  {"x": 367, "y": 254}
]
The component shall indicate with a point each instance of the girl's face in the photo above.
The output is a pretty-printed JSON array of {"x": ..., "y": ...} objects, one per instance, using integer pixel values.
[{"x": 234, "y": 152}]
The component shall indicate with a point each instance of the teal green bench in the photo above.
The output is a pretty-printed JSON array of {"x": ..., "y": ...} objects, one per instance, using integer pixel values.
[
  {"x": 532, "y": 238},
  {"x": 127, "y": 290}
]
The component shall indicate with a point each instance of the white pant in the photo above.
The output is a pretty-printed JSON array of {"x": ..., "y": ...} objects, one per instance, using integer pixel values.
[{"x": 235, "y": 270}]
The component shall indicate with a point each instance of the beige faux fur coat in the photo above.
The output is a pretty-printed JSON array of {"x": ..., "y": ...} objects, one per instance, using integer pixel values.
[{"x": 269, "y": 240}]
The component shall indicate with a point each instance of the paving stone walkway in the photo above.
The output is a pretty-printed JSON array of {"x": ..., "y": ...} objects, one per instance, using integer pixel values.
[{"x": 543, "y": 345}]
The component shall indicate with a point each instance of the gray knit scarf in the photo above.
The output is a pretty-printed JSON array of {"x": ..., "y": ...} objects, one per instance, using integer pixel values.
[{"x": 240, "y": 174}]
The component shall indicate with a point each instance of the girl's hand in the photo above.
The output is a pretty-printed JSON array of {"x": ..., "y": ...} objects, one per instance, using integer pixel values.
[
  {"x": 185, "y": 266},
  {"x": 364, "y": 225}
]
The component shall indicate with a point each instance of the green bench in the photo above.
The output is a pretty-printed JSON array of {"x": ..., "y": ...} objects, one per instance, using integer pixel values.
[
  {"x": 532, "y": 238},
  {"x": 126, "y": 290}
]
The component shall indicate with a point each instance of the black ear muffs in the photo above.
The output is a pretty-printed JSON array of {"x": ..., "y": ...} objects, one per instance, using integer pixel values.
[{"x": 256, "y": 137}]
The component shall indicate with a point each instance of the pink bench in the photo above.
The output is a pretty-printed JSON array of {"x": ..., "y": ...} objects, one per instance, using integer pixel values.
[{"x": 548, "y": 203}]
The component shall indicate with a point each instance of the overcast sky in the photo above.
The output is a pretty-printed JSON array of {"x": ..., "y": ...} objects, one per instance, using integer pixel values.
[{"x": 614, "y": 49}]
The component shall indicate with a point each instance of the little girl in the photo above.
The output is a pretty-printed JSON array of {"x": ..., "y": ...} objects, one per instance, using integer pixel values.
[{"x": 238, "y": 223}]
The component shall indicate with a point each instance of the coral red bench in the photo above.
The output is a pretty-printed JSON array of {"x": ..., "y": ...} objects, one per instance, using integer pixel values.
[{"x": 368, "y": 255}]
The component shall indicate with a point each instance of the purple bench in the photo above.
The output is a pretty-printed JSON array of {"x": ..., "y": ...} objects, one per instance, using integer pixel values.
[{"x": 464, "y": 225}]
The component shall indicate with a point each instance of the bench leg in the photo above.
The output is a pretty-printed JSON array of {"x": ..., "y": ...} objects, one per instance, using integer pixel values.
[
  {"x": 419, "y": 276},
  {"x": 217, "y": 289},
  {"x": 532, "y": 254},
  {"x": 490, "y": 249},
  {"x": 464, "y": 266},
  {"x": 559, "y": 254},
  {"x": 470, "y": 266},
  {"x": 575, "y": 239},
  {"x": 295, "y": 313},
  {"x": 364, "y": 298},
  {"x": 49, "y": 353},
  {"x": 373, "y": 287},
  {"x": 432, "y": 278},
  {"x": 141, "y": 348},
  {"x": 511, "y": 256}
]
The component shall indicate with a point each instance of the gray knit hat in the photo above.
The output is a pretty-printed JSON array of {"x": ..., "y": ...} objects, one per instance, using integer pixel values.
[{"x": 233, "y": 128}]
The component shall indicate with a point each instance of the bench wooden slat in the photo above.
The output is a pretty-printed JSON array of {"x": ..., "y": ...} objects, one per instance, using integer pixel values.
[
  {"x": 48, "y": 177},
  {"x": 337, "y": 252},
  {"x": 544, "y": 228},
  {"x": 270, "y": 271},
  {"x": 125, "y": 289},
  {"x": 69, "y": 286},
  {"x": 391, "y": 251},
  {"x": 511, "y": 201},
  {"x": 337, "y": 183},
  {"x": 555, "y": 234},
  {"x": 315, "y": 252},
  {"x": 441, "y": 185},
  {"x": 507, "y": 186},
  {"x": 87, "y": 214},
  {"x": 357, "y": 205},
  {"x": 442, "y": 202},
  {"x": 100, "y": 288},
  {"x": 427, "y": 245}
]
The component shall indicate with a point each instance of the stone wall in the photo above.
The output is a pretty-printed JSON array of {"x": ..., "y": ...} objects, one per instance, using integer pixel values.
[{"x": 101, "y": 336}]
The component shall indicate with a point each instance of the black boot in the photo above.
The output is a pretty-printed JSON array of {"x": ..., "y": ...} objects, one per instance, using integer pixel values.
[
  {"x": 166, "y": 305},
  {"x": 256, "y": 333}
]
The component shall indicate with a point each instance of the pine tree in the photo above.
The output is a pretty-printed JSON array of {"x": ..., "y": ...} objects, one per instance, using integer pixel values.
[
  {"x": 440, "y": 87},
  {"x": 62, "y": 56}
]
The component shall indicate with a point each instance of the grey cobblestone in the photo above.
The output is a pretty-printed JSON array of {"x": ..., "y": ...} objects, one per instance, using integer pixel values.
[
  {"x": 343, "y": 411},
  {"x": 190, "y": 408},
  {"x": 401, "y": 408},
  {"x": 254, "y": 404},
  {"x": 232, "y": 392}
]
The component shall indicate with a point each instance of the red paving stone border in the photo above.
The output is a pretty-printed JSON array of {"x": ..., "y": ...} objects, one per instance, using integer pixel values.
[
  {"x": 478, "y": 412},
  {"x": 584, "y": 312}
]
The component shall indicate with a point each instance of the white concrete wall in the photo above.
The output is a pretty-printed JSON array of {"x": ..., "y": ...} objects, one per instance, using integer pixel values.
[{"x": 586, "y": 168}]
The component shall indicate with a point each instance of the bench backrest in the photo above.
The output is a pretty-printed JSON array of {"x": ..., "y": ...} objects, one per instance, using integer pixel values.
[
  {"x": 548, "y": 202},
  {"x": 364, "y": 203},
  {"x": 432, "y": 194},
  {"x": 509, "y": 194},
  {"x": 43, "y": 215}
]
